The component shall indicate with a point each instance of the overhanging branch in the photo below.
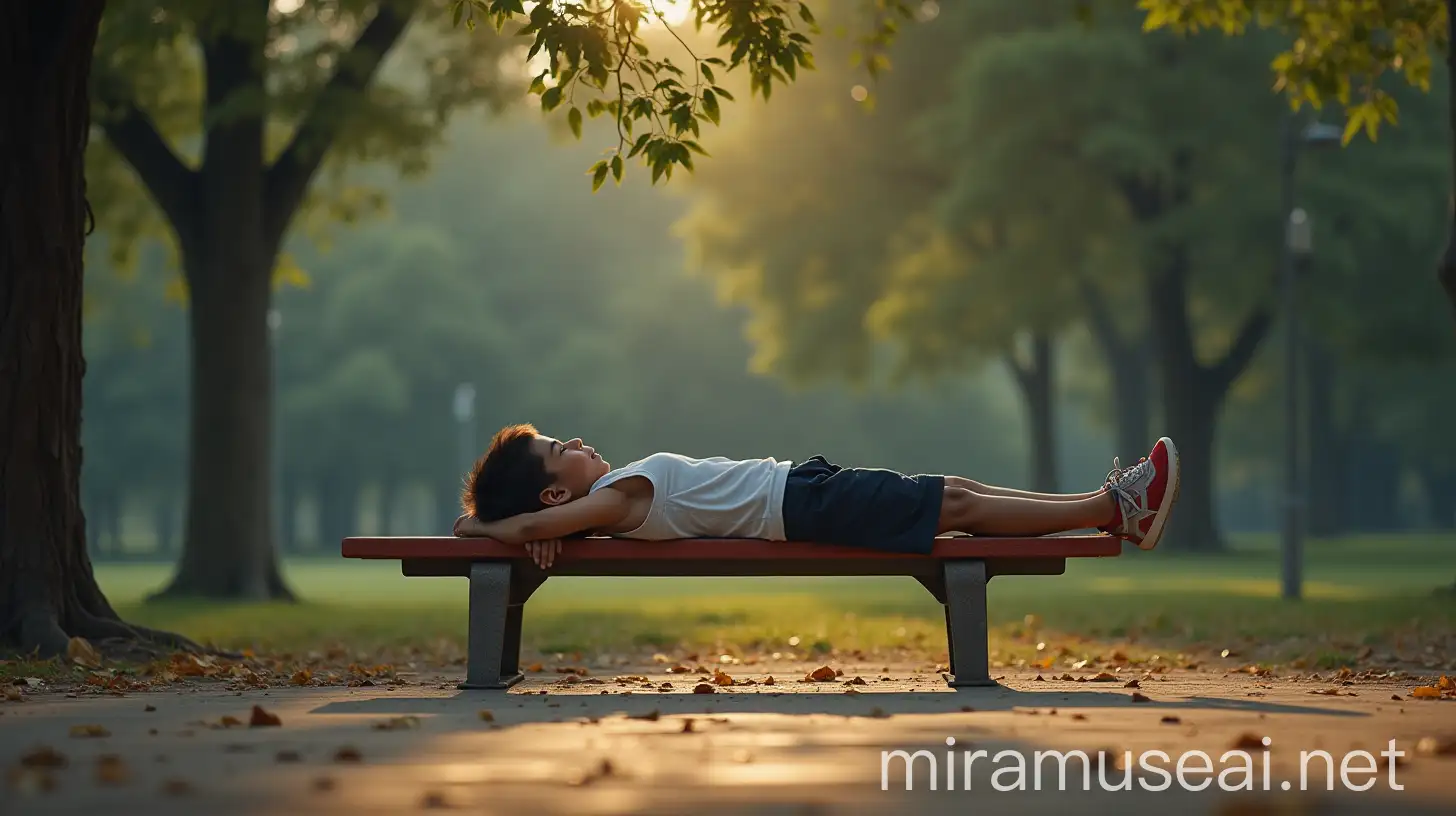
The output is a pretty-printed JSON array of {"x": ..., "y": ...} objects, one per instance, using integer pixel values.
[
  {"x": 1241, "y": 352},
  {"x": 290, "y": 175},
  {"x": 131, "y": 131}
]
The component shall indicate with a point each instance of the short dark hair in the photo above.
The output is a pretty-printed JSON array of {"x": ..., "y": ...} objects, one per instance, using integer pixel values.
[{"x": 508, "y": 480}]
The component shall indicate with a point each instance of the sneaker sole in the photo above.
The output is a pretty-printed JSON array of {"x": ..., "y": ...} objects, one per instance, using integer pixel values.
[{"x": 1170, "y": 497}]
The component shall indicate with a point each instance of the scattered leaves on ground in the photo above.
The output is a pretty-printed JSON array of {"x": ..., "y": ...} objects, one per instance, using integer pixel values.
[
  {"x": 398, "y": 724},
  {"x": 262, "y": 719}
]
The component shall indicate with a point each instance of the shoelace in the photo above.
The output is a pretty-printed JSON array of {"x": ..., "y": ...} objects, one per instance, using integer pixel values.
[
  {"x": 1118, "y": 471},
  {"x": 1130, "y": 511}
]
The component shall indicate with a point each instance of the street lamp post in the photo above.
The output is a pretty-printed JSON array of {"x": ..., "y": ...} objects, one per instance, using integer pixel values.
[{"x": 1297, "y": 248}]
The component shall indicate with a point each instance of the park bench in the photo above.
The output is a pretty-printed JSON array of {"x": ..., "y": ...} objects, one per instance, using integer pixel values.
[{"x": 502, "y": 578}]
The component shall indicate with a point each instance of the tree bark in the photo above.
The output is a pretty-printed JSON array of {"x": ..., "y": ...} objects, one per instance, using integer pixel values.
[
  {"x": 48, "y": 592},
  {"x": 1130, "y": 367},
  {"x": 1037, "y": 380}
]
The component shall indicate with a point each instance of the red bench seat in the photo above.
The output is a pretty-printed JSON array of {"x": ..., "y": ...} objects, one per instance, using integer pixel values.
[{"x": 502, "y": 578}]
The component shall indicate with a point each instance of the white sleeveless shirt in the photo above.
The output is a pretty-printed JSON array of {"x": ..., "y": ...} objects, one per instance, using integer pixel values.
[{"x": 708, "y": 498}]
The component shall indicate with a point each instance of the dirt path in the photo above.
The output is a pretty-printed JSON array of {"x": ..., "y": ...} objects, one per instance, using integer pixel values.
[{"x": 790, "y": 747}]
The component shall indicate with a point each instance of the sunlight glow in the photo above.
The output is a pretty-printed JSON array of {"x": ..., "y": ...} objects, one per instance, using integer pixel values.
[
  {"x": 674, "y": 12},
  {"x": 287, "y": 6}
]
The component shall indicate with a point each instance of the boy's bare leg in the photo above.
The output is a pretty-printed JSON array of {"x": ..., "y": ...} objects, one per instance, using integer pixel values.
[
  {"x": 992, "y": 490},
  {"x": 992, "y": 515}
]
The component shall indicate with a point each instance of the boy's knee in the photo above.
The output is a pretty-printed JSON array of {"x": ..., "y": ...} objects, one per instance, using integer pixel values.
[{"x": 958, "y": 506}]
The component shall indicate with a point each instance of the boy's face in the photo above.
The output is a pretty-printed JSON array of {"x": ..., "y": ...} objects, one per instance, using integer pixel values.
[{"x": 574, "y": 465}]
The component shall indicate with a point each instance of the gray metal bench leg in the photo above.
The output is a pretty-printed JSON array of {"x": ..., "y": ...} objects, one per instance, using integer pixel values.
[
  {"x": 511, "y": 654},
  {"x": 965, "y": 612},
  {"x": 489, "y": 633}
]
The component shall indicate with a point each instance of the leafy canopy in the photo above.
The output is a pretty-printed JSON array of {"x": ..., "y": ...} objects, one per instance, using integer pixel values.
[
  {"x": 1341, "y": 49},
  {"x": 600, "y": 60}
]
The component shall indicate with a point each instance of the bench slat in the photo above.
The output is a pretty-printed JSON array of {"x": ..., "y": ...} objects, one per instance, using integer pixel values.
[{"x": 731, "y": 549}]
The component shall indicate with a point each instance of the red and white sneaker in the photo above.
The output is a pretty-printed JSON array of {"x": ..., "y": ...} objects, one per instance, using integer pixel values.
[{"x": 1145, "y": 494}]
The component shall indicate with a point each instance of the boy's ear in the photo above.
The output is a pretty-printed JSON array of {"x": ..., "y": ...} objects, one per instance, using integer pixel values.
[{"x": 554, "y": 495}]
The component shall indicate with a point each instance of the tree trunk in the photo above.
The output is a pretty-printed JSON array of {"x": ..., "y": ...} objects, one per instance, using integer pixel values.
[
  {"x": 1130, "y": 368},
  {"x": 48, "y": 592},
  {"x": 1325, "y": 474},
  {"x": 1193, "y": 397},
  {"x": 1193, "y": 391},
  {"x": 228, "y": 260},
  {"x": 1037, "y": 379}
]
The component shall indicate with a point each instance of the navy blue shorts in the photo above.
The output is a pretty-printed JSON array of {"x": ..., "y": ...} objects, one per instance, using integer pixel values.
[{"x": 862, "y": 507}]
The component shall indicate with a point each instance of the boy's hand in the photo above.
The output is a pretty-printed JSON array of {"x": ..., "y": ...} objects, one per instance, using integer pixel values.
[
  {"x": 469, "y": 527},
  {"x": 544, "y": 552}
]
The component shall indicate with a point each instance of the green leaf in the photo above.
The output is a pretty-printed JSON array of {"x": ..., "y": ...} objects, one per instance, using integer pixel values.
[
  {"x": 551, "y": 98},
  {"x": 710, "y": 106},
  {"x": 573, "y": 119},
  {"x": 599, "y": 174},
  {"x": 617, "y": 168}
]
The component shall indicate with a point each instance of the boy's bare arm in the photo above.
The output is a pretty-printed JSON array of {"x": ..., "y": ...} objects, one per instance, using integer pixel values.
[{"x": 603, "y": 508}]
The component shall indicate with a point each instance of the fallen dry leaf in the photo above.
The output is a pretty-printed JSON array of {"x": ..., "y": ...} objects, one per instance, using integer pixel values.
[
  {"x": 651, "y": 716},
  {"x": 687, "y": 726},
  {"x": 857, "y": 681},
  {"x": 1446, "y": 683},
  {"x": 1132, "y": 684},
  {"x": 348, "y": 753},
  {"x": 486, "y": 715},
  {"x": 1171, "y": 720},
  {"x": 111, "y": 770},
  {"x": 11, "y": 693},
  {"x": 1079, "y": 716},
  {"x": 43, "y": 756},
  {"x": 149, "y": 708},
  {"x": 1426, "y": 693},
  {"x": 301, "y": 677},
  {"x": 768, "y": 681},
  {"x": 704, "y": 688},
  {"x": 261, "y": 718},
  {"x": 722, "y": 678},
  {"x": 398, "y": 724},
  {"x": 821, "y": 674},
  {"x": 323, "y": 783},
  {"x": 1141, "y": 698},
  {"x": 229, "y": 721},
  {"x": 678, "y": 669},
  {"x": 1103, "y": 677},
  {"x": 80, "y": 651},
  {"x": 434, "y": 799},
  {"x": 80, "y": 731},
  {"x": 1247, "y": 741}
]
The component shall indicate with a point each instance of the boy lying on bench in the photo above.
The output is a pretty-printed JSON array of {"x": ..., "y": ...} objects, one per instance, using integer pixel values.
[{"x": 534, "y": 490}]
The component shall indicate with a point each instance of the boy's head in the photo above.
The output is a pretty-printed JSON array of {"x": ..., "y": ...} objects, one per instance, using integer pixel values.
[{"x": 523, "y": 472}]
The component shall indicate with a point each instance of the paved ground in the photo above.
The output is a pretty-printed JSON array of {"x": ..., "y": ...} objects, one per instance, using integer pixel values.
[{"x": 792, "y": 747}]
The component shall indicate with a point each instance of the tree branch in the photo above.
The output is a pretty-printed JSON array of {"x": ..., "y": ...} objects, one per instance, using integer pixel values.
[
  {"x": 130, "y": 130},
  {"x": 1241, "y": 352},
  {"x": 290, "y": 175}
]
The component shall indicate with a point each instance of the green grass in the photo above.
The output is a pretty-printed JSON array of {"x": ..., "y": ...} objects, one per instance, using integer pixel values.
[{"x": 1359, "y": 592}]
